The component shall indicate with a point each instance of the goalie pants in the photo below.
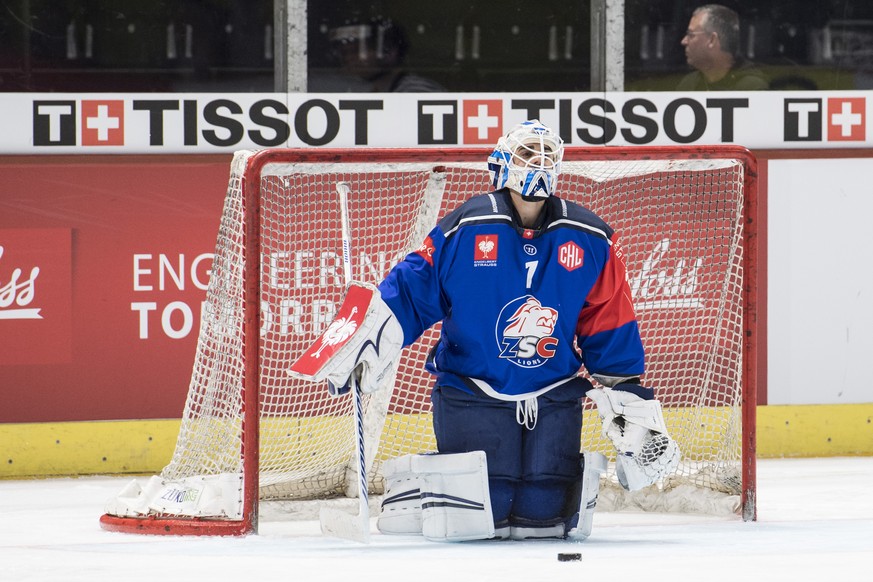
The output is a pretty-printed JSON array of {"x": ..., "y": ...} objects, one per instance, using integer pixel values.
[{"x": 530, "y": 471}]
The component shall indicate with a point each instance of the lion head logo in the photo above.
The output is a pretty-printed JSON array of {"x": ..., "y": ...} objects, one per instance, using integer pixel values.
[{"x": 524, "y": 332}]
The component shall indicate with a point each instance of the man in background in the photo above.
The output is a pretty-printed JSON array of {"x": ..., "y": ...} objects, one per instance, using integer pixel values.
[
  {"x": 712, "y": 48},
  {"x": 371, "y": 58}
]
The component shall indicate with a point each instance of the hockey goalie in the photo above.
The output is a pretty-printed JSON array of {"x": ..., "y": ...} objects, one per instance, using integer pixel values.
[{"x": 530, "y": 288}]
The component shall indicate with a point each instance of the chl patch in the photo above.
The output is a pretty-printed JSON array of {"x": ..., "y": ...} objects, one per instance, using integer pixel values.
[{"x": 571, "y": 256}]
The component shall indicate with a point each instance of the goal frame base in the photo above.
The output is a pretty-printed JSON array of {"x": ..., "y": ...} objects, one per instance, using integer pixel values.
[{"x": 161, "y": 525}]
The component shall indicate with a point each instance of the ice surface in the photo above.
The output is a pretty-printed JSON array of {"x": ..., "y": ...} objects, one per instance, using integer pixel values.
[{"x": 815, "y": 522}]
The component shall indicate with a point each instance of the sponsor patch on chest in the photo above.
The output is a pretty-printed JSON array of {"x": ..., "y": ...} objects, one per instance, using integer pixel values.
[{"x": 485, "y": 250}]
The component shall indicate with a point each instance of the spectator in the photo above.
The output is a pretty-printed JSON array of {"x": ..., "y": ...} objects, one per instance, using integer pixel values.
[
  {"x": 371, "y": 57},
  {"x": 712, "y": 48}
]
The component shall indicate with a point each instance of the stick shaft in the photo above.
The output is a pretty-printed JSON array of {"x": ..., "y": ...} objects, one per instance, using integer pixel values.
[
  {"x": 343, "y": 190},
  {"x": 346, "y": 525}
]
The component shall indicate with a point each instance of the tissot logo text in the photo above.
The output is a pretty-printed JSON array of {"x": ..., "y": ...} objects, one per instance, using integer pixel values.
[{"x": 151, "y": 122}]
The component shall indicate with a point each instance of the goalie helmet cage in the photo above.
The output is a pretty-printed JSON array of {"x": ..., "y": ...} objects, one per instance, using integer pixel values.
[{"x": 249, "y": 433}]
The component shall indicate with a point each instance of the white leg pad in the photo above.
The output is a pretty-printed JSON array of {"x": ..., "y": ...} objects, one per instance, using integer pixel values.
[
  {"x": 455, "y": 500},
  {"x": 594, "y": 466},
  {"x": 401, "y": 505}
]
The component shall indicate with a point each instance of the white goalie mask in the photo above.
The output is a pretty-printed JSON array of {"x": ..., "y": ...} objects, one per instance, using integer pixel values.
[{"x": 527, "y": 160}]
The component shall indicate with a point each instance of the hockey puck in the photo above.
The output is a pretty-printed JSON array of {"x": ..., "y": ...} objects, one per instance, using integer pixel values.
[{"x": 563, "y": 557}]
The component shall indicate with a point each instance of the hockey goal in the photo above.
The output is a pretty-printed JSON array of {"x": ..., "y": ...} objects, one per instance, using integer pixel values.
[{"x": 250, "y": 433}]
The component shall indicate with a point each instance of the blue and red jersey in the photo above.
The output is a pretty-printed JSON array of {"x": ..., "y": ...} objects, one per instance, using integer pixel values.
[{"x": 522, "y": 309}]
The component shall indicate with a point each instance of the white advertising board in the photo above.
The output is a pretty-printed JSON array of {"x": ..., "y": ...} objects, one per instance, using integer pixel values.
[{"x": 211, "y": 123}]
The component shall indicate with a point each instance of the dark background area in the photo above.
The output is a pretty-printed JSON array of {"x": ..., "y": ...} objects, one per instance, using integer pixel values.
[{"x": 467, "y": 46}]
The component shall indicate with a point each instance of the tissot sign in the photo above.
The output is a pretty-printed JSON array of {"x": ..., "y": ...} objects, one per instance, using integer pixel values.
[{"x": 156, "y": 123}]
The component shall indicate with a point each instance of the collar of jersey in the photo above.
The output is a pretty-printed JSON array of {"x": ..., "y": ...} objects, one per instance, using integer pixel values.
[{"x": 542, "y": 219}]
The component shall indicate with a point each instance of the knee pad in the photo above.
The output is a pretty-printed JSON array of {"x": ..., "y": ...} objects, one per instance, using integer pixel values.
[
  {"x": 455, "y": 498},
  {"x": 454, "y": 502},
  {"x": 401, "y": 505}
]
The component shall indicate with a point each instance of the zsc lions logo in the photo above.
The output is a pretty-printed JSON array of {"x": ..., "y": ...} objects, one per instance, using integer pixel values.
[{"x": 524, "y": 332}]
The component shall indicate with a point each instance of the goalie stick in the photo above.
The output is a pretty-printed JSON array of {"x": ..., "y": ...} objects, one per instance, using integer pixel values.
[{"x": 337, "y": 522}]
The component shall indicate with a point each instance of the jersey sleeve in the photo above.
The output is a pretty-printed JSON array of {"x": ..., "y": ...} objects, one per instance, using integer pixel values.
[
  {"x": 607, "y": 331},
  {"x": 412, "y": 289}
]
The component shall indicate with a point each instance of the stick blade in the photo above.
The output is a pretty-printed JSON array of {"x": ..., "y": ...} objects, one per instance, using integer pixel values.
[{"x": 340, "y": 524}]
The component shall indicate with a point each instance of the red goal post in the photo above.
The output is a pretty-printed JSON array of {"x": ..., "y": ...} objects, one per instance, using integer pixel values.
[{"x": 251, "y": 433}]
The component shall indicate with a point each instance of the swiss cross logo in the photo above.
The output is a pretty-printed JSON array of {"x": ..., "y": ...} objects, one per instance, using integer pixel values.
[
  {"x": 485, "y": 251},
  {"x": 483, "y": 121},
  {"x": 570, "y": 256},
  {"x": 102, "y": 123},
  {"x": 846, "y": 120}
]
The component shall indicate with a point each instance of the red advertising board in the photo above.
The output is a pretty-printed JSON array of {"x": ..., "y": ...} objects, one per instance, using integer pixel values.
[
  {"x": 35, "y": 296},
  {"x": 103, "y": 268}
]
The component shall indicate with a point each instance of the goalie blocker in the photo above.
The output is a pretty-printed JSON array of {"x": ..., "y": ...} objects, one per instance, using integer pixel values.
[{"x": 363, "y": 339}]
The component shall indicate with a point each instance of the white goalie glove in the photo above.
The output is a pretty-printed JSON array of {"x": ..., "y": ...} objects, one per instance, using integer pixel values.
[
  {"x": 364, "y": 339},
  {"x": 645, "y": 452}
]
